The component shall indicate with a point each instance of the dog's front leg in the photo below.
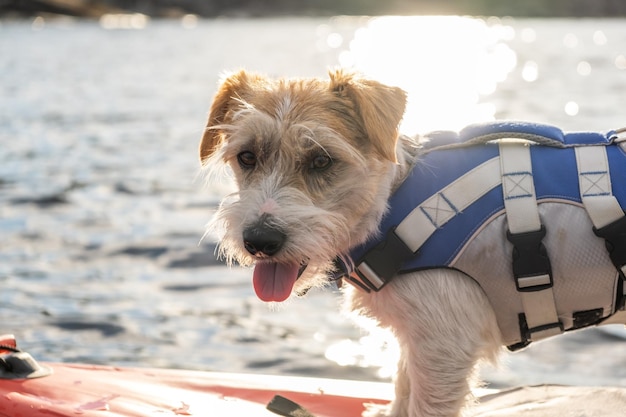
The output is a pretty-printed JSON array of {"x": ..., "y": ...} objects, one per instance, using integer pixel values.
[
  {"x": 437, "y": 380},
  {"x": 400, "y": 404},
  {"x": 452, "y": 327},
  {"x": 444, "y": 325}
]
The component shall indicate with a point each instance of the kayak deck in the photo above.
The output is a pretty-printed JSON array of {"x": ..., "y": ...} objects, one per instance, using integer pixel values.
[{"x": 88, "y": 390}]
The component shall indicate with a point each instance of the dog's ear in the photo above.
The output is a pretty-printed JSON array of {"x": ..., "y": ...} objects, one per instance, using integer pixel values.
[
  {"x": 232, "y": 87},
  {"x": 381, "y": 108}
]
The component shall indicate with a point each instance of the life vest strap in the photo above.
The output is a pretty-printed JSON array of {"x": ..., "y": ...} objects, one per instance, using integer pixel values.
[
  {"x": 594, "y": 180},
  {"x": 530, "y": 261},
  {"x": 615, "y": 236},
  {"x": 381, "y": 263},
  {"x": 606, "y": 214}
]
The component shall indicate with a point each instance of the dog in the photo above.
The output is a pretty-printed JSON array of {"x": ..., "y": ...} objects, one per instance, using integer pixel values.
[{"x": 316, "y": 162}]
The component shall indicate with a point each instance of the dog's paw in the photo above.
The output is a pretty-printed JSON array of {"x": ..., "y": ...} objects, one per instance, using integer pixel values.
[
  {"x": 375, "y": 410},
  {"x": 378, "y": 410}
]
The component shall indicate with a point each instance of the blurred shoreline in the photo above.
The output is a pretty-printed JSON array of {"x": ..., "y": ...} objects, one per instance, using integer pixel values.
[{"x": 255, "y": 8}]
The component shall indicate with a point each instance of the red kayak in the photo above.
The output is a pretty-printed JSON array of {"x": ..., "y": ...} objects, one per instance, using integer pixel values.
[{"x": 29, "y": 389}]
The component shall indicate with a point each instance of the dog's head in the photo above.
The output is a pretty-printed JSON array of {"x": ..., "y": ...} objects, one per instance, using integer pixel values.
[{"x": 314, "y": 162}]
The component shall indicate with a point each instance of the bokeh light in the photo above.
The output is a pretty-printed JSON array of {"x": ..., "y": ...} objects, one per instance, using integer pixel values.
[{"x": 447, "y": 64}]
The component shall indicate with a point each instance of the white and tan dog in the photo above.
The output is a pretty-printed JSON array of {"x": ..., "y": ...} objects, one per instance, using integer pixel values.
[{"x": 315, "y": 162}]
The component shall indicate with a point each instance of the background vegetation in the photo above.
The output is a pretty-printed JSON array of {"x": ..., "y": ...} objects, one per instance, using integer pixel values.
[{"x": 214, "y": 8}]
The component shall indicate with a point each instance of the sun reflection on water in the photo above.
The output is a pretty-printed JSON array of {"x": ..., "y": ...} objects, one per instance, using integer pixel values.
[
  {"x": 377, "y": 348},
  {"x": 447, "y": 64},
  {"x": 460, "y": 70}
]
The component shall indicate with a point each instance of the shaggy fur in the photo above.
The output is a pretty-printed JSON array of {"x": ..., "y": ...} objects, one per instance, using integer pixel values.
[{"x": 315, "y": 162}]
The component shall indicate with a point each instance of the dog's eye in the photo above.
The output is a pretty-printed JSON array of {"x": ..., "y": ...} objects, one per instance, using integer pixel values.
[
  {"x": 246, "y": 159},
  {"x": 321, "y": 162}
]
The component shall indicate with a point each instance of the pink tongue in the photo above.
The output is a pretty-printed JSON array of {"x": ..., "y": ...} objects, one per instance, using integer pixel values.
[{"x": 274, "y": 281}]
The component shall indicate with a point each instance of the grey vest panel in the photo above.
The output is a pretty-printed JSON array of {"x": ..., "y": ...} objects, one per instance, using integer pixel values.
[{"x": 585, "y": 280}]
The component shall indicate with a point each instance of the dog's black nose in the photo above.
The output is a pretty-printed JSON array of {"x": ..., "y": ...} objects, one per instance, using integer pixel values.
[{"x": 263, "y": 241}]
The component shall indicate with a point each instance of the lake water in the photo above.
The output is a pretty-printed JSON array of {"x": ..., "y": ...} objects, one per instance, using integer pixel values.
[{"x": 102, "y": 210}]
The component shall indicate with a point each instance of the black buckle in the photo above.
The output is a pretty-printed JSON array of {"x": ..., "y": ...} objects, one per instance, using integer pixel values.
[
  {"x": 360, "y": 282},
  {"x": 530, "y": 259},
  {"x": 343, "y": 271},
  {"x": 614, "y": 235}
]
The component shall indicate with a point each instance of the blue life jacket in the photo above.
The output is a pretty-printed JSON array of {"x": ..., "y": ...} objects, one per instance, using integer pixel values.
[{"x": 475, "y": 236}]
